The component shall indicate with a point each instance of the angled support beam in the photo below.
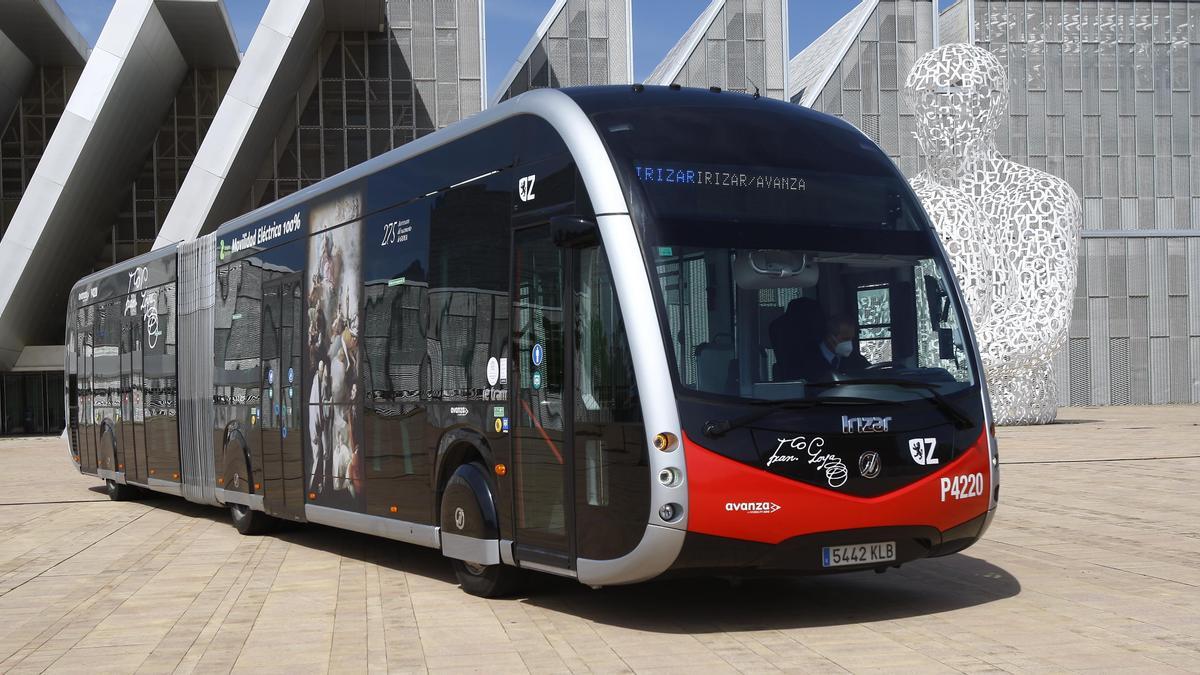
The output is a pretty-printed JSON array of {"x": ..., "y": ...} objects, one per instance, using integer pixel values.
[
  {"x": 99, "y": 146},
  {"x": 245, "y": 126},
  {"x": 42, "y": 31}
]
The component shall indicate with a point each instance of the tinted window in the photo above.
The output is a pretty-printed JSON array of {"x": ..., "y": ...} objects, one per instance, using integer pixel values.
[
  {"x": 769, "y": 164},
  {"x": 612, "y": 485},
  {"x": 468, "y": 286},
  {"x": 396, "y": 263},
  {"x": 487, "y": 150}
]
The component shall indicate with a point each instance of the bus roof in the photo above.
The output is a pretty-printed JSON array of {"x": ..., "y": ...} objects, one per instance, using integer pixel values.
[
  {"x": 125, "y": 265},
  {"x": 590, "y": 100}
]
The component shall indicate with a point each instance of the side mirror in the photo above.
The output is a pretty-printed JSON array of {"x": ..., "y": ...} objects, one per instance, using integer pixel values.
[{"x": 574, "y": 232}]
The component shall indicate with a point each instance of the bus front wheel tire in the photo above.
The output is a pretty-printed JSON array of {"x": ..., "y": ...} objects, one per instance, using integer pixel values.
[
  {"x": 486, "y": 581},
  {"x": 248, "y": 521}
]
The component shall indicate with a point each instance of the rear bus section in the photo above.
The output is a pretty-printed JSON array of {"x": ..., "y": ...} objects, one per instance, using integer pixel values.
[{"x": 832, "y": 412}]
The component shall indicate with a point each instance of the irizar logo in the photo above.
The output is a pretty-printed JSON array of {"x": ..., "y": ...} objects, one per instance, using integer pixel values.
[
  {"x": 525, "y": 188},
  {"x": 752, "y": 507},
  {"x": 865, "y": 425}
]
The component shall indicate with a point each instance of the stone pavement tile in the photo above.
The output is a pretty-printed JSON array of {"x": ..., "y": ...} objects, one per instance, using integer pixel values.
[
  {"x": 494, "y": 662},
  {"x": 37, "y": 662},
  {"x": 700, "y": 660},
  {"x": 97, "y": 660},
  {"x": 689, "y": 669},
  {"x": 1088, "y": 565}
]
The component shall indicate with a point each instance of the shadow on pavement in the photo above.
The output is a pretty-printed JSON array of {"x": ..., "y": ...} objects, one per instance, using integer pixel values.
[
  {"x": 362, "y": 547},
  {"x": 692, "y": 605},
  {"x": 712, "y": 605}
]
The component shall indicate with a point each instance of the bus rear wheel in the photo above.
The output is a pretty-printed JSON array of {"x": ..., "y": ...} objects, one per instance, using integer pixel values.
[
  {"x": 119, "y": 492},
  {"x": 486, "y": 581},
  {"x": 250, "y": 522}
]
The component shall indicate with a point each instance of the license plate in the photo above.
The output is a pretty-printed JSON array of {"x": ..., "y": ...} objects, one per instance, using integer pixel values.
[{"x": 858, "y": 554}]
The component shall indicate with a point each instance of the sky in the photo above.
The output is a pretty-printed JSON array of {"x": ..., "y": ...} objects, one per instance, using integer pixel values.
[{"x": 657, "y": 25}]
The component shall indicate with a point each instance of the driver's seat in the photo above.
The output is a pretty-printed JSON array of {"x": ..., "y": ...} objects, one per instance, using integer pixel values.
[{"x": 794, "y": 337}]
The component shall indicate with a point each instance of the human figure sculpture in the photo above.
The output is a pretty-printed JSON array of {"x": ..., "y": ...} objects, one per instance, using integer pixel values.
[{"x": 1011, "y": 231}]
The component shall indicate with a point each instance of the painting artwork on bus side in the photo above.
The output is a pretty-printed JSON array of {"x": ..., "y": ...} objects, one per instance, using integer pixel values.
[{"x": 335, "y": 462}]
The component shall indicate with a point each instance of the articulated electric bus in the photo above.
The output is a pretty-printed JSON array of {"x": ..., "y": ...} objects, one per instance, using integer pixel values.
[{"x": 607, "y": 333}]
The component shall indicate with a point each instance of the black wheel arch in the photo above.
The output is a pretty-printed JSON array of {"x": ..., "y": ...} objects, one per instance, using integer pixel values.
[
  {"x": 107, "y": 425},
  {"x": 233, "y": 433},
  {"x": 470, "y": 491},
  {"x": 458, "y": 446}
]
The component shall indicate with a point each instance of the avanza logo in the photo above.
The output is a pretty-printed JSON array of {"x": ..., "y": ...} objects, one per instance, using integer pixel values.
[{"x": 752, "y": 507}]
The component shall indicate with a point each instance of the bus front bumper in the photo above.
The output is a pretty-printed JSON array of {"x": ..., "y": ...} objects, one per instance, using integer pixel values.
[{"x": 805, "y": 554}]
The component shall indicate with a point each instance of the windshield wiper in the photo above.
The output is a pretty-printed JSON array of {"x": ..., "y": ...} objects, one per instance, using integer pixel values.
[
  {"x": 961, "y": 420},
  {"x": 718, "y": 428}
]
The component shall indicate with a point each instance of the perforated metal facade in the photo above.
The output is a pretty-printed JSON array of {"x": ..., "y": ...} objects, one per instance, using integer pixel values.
[
  {"x": 1106, "y": 95},
  {"x": 1135, "y": 331},
  {"x": 864, "y": 86},
  {"x": 739, "y": 45},
  {"x": 579, "y": 42},
  {"x": 369, "y": 92}
]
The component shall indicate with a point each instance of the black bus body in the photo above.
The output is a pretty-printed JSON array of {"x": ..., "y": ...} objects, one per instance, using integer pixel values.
[{"x": 568, "y": 334}]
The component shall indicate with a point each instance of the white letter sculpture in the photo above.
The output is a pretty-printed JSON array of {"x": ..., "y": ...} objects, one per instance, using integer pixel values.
[{"x": 1011, "y": 231}]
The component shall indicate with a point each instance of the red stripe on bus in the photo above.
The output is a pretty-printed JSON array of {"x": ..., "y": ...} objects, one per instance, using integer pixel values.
[{"x": 715, "y": 482}]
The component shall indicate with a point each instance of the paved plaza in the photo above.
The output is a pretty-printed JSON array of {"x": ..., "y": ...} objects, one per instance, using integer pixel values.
[{"x": 1093, "y": 564}]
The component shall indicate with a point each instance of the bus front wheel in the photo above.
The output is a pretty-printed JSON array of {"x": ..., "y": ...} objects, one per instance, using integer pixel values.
[
  {"x": 248, "y": 521},
  {"x": 469, "y": 510},
  {"x": 486, "y": 581}
]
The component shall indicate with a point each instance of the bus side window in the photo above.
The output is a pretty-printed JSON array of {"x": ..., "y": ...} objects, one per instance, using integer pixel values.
[
  {"x": 612, "y": 485},
  {"x": 468, "y": 286},
  {"x": 875, "y": 322}
]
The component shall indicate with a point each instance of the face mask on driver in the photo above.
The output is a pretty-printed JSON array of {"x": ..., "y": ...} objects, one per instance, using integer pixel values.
[{"x": 844, "y": 348}]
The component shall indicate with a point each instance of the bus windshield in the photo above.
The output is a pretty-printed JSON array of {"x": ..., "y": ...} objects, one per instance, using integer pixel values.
[
  {"x": 787, "y": 322},
  {"x": 790, "y": 256}
]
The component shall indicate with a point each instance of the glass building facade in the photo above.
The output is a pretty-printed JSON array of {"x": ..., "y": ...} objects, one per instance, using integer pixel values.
[
  {"x": 1106, "y": 95},
  {"x": 144, "y": 208},
  {"x": 32, "y": 403},
  {"x": 369, "y": 92},
  {"x": 29, "y": 130},
  {"x": 366, "y": 93}
]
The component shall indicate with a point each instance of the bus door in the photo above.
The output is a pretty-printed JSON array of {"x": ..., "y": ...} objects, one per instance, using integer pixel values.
[
  {"x": 281, "y": 474},
  {"x": 133, "y": 411},
  {"x": 105, "y": 371},
  {"x": 87, "y": 413},
  {"x": 542, "y": 406}
]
